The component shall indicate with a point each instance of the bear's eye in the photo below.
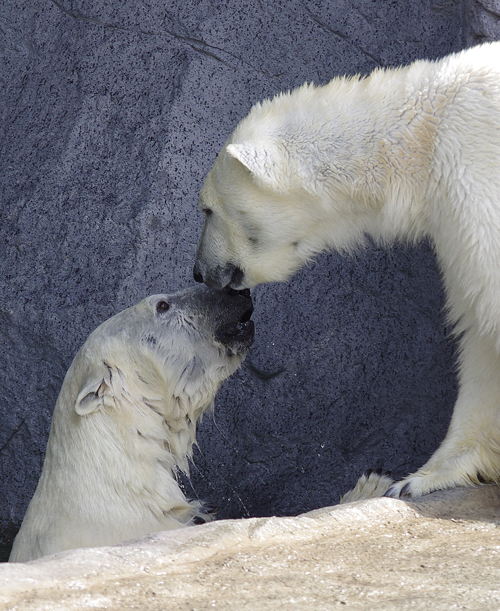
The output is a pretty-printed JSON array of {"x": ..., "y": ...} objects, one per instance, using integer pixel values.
[
  {"x": 162, "y": 306},
  {"x": 207, "y": 211}
]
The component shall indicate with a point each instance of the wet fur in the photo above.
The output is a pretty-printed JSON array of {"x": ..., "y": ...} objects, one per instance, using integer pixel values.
[{"x": 124, "y": 423}]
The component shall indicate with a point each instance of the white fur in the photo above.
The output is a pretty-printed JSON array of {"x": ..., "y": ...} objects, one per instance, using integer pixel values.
[
  {"x": 368, "y": 486},
  {"x": 403, "y": 154},
  {"x": 124, "y": 422}
]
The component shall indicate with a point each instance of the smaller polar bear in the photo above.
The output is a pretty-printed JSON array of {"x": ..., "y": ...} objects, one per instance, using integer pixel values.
[
  {"x": 402, "y": 154},
  {"x": 125, "y": 421}
]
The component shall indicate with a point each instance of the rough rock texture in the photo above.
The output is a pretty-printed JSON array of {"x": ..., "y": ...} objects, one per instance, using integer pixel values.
[
  {"x": 112, "y": 113},
  {"x": 440, "y": 553},
  {"x": 483, "y": 21}
]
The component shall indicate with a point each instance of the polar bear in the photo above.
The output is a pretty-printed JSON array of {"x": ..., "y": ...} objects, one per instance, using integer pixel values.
[
  {"x": 125, "y": 421},
  {"x": 403, "y": 154}
]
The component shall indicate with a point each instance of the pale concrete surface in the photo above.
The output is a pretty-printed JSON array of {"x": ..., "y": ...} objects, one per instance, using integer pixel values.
[{"x": 439, "y": 553}]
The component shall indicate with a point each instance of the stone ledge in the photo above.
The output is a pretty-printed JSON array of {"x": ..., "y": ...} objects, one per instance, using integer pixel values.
[{"x": 377, "y": 554}]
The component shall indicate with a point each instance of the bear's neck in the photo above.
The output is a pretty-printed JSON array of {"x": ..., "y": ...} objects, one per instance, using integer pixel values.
[{"x": 367, "y": 144}]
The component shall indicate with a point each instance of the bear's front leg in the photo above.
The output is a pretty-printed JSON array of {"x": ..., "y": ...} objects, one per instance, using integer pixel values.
[
  {"x": 470, "y": 453},
  {"x": 445, "y": 469}
]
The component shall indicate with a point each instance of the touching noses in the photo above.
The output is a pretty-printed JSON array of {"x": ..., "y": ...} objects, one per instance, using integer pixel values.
[{"x": 229, "y": 275}]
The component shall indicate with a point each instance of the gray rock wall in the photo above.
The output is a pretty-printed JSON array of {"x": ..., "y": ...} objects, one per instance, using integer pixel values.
[
  {"x": 482, "y": 21},
  {"x": 112, "y": 113}
]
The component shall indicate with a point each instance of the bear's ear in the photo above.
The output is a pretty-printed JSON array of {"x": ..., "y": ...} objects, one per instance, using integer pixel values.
[
  {"x": 262, "y": 161},
  {"x": 95, "y": 392}
]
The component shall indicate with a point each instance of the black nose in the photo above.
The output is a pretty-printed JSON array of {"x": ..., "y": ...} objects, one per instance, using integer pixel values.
[
  {"x": 242, "y": 292},
  {"x": 197, "y": 276},
  {"x": 237, "y": 275}
]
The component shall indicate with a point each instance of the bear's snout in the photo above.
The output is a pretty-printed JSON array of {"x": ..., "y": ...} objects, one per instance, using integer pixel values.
[
  {"x": 229, "y": 275},
  {"x": 236, "y": 331}
]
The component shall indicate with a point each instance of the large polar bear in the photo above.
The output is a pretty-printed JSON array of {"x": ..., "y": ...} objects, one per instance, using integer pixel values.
[
  {"x": 125, "y": 421},
  {"x": 402, "y": 154}
]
